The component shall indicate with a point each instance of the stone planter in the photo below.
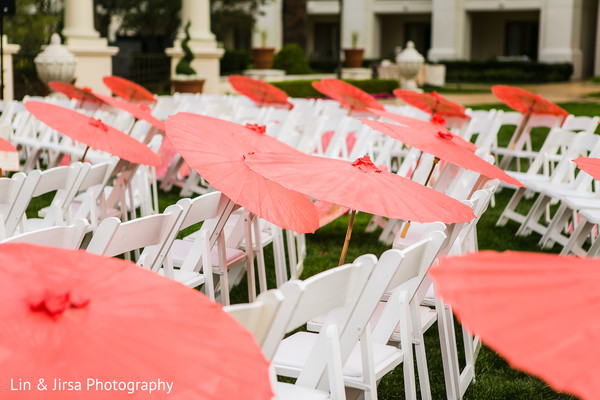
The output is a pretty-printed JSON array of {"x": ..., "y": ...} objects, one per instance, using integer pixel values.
[
  {"x": 262, "y": 57},
  {"x": 353, "y": 57},
  {"x": 187, "y": 85},
  {"x": 55, "y": 63},
  {"x": 409, "y": 61}
]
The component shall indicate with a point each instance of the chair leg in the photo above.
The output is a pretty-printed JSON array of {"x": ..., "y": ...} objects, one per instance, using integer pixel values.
[
  {"x": 419, "y": 352},
  {"x": 594, "y": 251},
  {"x": 368, "y": 365},
  {"x": 250, "y": 259},
  {"x": 389, "y": 231},
  {"x": 553, "y": 232},
  {"x": 578, "y": 237},
  {"x": 209, "y": 285},
  {"x": 279, "y": 255},
  {"x": 293, "y": 261},
  {"x": 300, "y": 251},
  {"x": 260, "y": 257},
  {"x": 449, "y": 362},
  {"x": 533, "y": 216},
  {"x": 510, "y": 207}
]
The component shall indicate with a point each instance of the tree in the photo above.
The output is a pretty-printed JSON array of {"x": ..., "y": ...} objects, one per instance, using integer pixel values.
[
  {"x": 154, "y": 21},
  {"x": 33, "y": 24},
  {"x": 294, "y": 22},
  {"x": 235, "y": 17}
]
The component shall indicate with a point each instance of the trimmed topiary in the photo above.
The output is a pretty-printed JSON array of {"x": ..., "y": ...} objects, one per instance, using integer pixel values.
[
  {"x": 184, "y": 66},
  {"x": 291, "y": 59}
]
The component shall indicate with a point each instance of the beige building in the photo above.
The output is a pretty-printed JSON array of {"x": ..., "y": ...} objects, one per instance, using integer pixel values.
[{"x": 542, "y": 30}]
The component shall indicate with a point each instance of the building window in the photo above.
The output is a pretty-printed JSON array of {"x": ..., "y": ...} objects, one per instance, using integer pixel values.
[
  {"x": 521, "y": 39},
  {"x": 326, "y": 41},
  {"x": 420, "y": 34}
]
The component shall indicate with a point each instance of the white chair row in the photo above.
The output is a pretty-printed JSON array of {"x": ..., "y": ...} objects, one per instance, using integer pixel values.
[
  {"x": 562, "y": 182},
  {"x": 80, "y": 191},
  {"x": 347, "y": 355}
]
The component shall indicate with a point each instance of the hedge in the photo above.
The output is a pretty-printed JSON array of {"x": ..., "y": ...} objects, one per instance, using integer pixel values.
[
  {"x": 303, "y": 88},
  {"x": 329, "y": 66},
  {"x": 506, "y": 71}
]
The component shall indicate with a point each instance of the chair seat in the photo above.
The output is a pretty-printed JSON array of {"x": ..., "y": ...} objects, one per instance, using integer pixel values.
[
  {"x": 592, "y": 215},
  {"x": 77, "y": 202},
  {"x": 528, "y": 179},
  {"x": 181, "y": 248},
  {"x": 582, "y": 200},
  {"x": 288, "y": 391},
  {"x": 292, "y": 355},
  {"x": 187, "y": 278},
  {"x": 427, "y": 316},
  {"x": 413, "y": 235}
]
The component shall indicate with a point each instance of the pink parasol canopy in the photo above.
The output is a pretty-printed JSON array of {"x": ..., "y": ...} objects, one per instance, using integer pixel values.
[
  {"x": 431, "y": 103},
  {"x": 347, "y": 95},
  {"x": 81, "y": 326},
  {"x": 444, "y": 147},
  {"x": 537, "y": 310},
  {"x": 128, "y": 90},
  {"x": 218, "y": 149},
  {"x": 589, "y": 165},
  {"x": 92, "y": 132},
  {"x": 263, "y": 93},
  {"x": 84, "y": 95},
  {"x": 424, "y": 127},
  {"x": 139, "y": 111}
]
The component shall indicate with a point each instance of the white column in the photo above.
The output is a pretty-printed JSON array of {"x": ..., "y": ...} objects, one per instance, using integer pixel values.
[
  {"x": 202, "y": 44},
  {"x": 559, "y": 39},
  {"x": 94, "y": 56},
  {"x": 198, "y": 13},
  {"x": 8, "y": 51},
  {"x": 447, "y": 30},
  {"x": 79, "y": 20}
]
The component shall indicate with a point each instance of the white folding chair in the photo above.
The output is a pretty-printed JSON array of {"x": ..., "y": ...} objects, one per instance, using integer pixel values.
[
  {"x": 90, "y": 202},
  {"x": 9, "y": 192},
  {"x": 521, "y": 147},
  {"x": 338, "y": 291},
  {"x": 258, "y": 317},
  {"x": 64, "y": 180},
  {"x": 537, "y": 178},
  {"x": 579, "y": 185},
  {"x": 188, "y": 257},
  {"x": 399, "y": 318},
  {"x": 366, "y": 363},
  {"x": 66, "y": 237},
  {"x": 154, "y": 233}
]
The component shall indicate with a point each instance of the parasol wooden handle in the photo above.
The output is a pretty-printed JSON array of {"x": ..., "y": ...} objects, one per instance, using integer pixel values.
[
  {"x": 405, "y": 229},
  {"x": 85, "y": 153},
  {"x": 347, "y": 239},
  {"x": 517, "y": 136}
]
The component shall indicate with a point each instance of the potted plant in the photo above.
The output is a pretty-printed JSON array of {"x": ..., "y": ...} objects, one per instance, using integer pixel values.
[
  {"x": 263, "y": 56},
  {"x": 186, "y": 80},
  {"x": 354, "y": 55}
]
